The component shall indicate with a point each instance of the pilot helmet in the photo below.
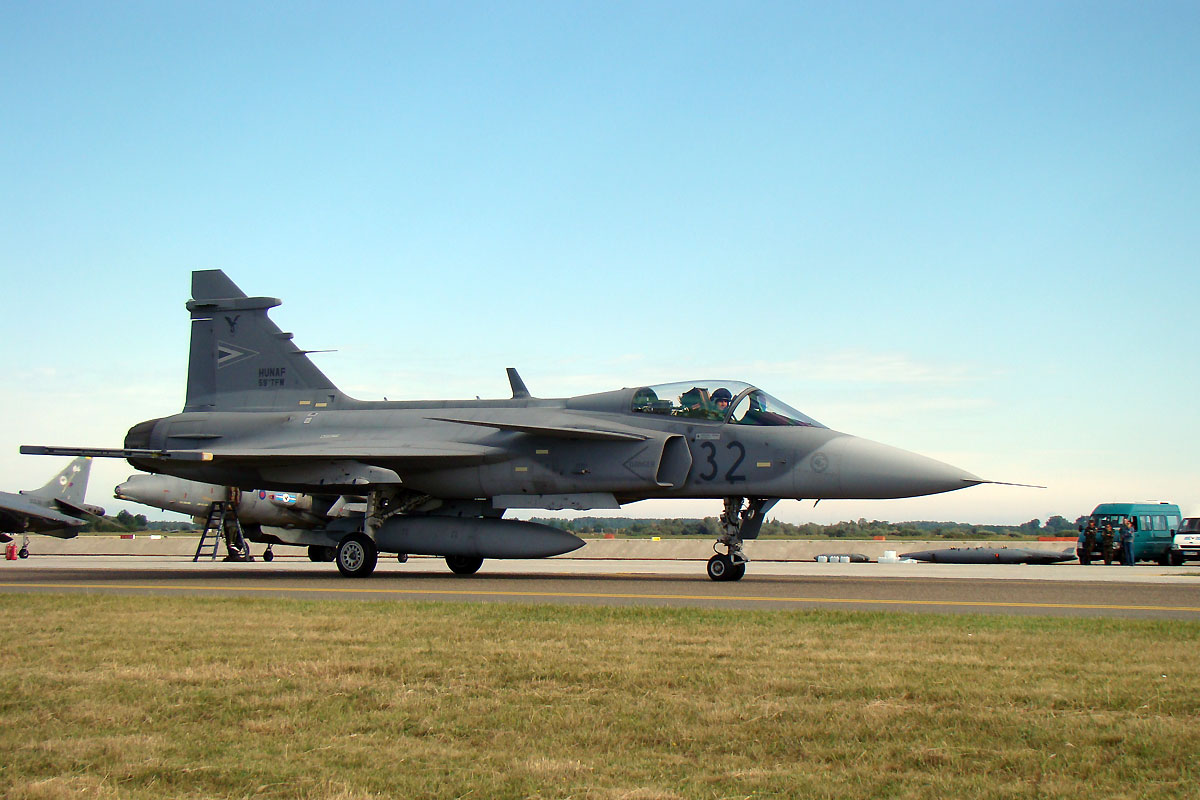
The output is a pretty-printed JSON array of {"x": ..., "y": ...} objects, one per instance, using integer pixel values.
[{"x": 722, "y": 394}]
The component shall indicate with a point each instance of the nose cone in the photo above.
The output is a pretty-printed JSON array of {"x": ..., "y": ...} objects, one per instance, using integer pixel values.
[
  {"x": 135, "y": 489},
  {"x": 869, "y": 470}
]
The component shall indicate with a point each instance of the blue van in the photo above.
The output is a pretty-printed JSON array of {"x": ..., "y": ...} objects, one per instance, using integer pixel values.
[{"x": 1154, "y": 526}]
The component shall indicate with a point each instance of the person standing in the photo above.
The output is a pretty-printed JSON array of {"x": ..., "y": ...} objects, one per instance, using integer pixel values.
[
  {"x": 1106, "y": 543},
  {"x": 1127, "y": 542},
  {"x": 1089, "y": 541}
]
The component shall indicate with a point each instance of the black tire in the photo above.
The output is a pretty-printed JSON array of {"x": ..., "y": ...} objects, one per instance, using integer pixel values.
[
  {"x": 464, "y": 565},
  {"x": 1176, "y": 559},
  {"x": 268, "y": 556},
  {"x": 320, "y": 552},
  {"x": 356, "y": 556},
  {"x": 737, "y": 572},
  {"x": 23, "y": 552},
  {"x": 720, "y": 567}
]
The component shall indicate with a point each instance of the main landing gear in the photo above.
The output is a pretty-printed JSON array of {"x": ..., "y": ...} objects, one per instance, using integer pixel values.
[
  {"x": 464, "y": 565},
  {"x": 357, "y": 556},
  {"x": 742, "y": 519}
]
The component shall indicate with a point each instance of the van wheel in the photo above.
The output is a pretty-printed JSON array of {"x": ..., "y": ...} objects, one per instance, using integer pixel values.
[{"x": 1176, "y": 559}]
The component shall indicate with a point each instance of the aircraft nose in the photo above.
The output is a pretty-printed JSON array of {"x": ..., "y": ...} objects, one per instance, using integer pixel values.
[
  {"x": 871, "y": 470},
  {"x": 128, "y": 490}
]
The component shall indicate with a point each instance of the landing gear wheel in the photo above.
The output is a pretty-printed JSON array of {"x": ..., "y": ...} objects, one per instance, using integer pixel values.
[
  {"x": 721, "y": 568},
  {"x": 464, "y": 565},
  {"x": 402, "y": 558},
  {"x": 356, "y": 556},
  {"x": 268, "y": 555},
  {"x": 23, "y": 552},
  {"x": 737, "y": 572},
  {"x": 320, "y": 552}
]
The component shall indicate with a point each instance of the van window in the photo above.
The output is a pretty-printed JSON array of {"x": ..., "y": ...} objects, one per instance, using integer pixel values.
[
  {"x": 1172, "y": 522},
  {"x": 1160, "y": 522},
  {"x": 1145, "y": 520}
]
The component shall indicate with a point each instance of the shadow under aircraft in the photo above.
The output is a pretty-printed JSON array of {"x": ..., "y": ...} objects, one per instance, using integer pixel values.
[{"x": 438, "y": 476}]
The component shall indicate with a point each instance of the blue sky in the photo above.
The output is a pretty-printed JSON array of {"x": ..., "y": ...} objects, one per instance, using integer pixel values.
[{"x": 968, "y": 230}]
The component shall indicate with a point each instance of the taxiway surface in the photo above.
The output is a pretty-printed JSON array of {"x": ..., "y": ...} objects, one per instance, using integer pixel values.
[{"x": 1058, "y": 590}]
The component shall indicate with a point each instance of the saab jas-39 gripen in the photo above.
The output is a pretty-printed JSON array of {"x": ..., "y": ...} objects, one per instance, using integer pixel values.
[{"x": 439, "y": 476}]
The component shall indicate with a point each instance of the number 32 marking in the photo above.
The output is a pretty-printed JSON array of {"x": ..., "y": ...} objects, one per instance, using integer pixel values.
[{"x": 731, "y": 474}]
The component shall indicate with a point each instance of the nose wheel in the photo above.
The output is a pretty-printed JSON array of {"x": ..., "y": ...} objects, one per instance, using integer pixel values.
[
  {"x": 742, "y": 519},
  {"x": 722, "y": 567}
]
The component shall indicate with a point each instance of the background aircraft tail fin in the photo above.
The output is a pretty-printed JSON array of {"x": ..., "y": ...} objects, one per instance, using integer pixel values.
[
  {"x": 240, "y": 360},
  {"x": 70, "y": 485}
]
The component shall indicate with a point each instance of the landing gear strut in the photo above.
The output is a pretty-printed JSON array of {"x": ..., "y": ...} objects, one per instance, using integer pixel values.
[{"x": 738, "y": 523}]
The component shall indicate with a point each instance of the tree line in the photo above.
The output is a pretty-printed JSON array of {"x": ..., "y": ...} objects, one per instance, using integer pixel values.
[
  {"x": 710, "y": 527},
  {"x": 124, "y": 522}
]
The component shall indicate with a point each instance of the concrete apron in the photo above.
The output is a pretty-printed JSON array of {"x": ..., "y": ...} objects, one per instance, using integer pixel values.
[{"x": 615, "y": 549}]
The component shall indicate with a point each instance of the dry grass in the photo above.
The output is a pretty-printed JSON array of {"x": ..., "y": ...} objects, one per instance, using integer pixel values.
[{"x": 138, "y": 697}]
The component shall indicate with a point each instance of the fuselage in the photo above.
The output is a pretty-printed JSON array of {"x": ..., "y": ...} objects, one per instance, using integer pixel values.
[{"x": 524, "y": 452}]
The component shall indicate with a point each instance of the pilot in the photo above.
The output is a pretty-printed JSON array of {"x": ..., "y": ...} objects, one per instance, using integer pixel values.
[
  {"x": 1089, "y": 540},
  {"x": 1106, "y": 543},
  {"x": 721, "y": 399},
  {"x": 691, "y": 403}
]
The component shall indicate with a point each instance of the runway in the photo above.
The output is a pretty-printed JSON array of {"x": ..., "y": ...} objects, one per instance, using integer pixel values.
[{"x": 1149, "y": 592}]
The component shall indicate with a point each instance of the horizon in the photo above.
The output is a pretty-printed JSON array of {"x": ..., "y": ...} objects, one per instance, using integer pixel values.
[{"x": 965, "y": 231}]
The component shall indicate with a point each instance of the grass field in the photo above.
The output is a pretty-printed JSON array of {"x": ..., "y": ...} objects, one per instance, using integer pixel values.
[{"x": 140, "y": 697}]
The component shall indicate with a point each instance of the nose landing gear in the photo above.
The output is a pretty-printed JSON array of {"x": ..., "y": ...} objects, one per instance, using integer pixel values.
[{"x": 742, "y": 519}]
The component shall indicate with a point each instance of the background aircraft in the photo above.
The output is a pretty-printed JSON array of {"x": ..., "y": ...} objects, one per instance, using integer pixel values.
[
  {"x": 56, "y": 509},
  {"x": 267, "y": 516},
  {"x": 440, "y": 475}
]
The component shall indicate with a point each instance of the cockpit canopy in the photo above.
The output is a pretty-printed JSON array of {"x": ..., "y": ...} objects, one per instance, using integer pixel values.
[{"x": 718, "y": 401}]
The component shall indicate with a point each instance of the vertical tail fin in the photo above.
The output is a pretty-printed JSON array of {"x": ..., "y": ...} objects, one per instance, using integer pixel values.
[
  {"x": 69, "y": 485},
  {"x": 240, "y": 360}
]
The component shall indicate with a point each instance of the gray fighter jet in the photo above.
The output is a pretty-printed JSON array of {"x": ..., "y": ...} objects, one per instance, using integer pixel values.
[
  {"x": 439, "y": 476},
  {"x": 56, "y": 509},
  {"x": 267, "y": 516}
]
